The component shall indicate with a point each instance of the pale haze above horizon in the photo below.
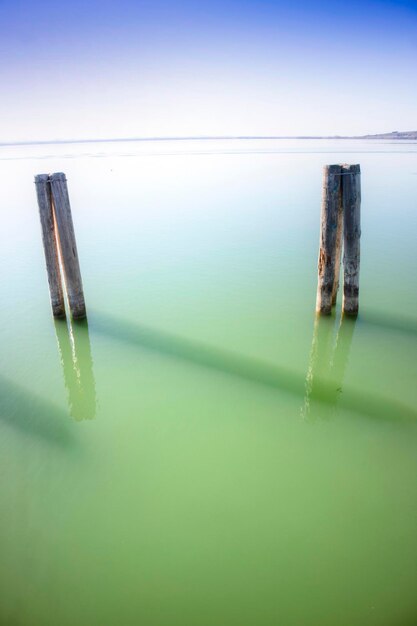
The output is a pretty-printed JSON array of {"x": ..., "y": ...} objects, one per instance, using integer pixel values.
[{"x": 141, "y": 69}]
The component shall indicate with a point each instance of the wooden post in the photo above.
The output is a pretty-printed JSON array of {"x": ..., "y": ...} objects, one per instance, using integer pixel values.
[
  {"x": 68, "y": 246},
  {"x": 351, "y": 185},
  {"x": 328, "y": 235},
  {"x": 43, "y": 192},
  {"x": 338, "y": 252}
]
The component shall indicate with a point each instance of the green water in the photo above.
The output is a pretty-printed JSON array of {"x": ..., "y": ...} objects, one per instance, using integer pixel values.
[{"x": 205, "y": 452}]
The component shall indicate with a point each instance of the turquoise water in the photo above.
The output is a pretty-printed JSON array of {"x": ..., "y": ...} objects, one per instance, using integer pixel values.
[{"x": 204, "y": 451}]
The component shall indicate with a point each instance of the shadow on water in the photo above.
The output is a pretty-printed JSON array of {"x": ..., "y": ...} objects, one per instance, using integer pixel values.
[
  {"x": 27, "y": 412},
  {"x": 323, "y": 390},
  {"x": 389, "y": 321},
  {"x": 77, "y": 367}
]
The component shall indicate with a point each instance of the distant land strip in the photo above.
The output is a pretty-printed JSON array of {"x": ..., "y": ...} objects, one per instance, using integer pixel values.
[{"x": 411, "y": 135}]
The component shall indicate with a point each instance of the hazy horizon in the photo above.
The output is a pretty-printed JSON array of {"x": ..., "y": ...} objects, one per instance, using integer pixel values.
[{"x": 186, "y": 138}]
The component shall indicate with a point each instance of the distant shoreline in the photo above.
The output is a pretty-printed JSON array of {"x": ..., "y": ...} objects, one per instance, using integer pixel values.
[{"x": 410, "y": 135}]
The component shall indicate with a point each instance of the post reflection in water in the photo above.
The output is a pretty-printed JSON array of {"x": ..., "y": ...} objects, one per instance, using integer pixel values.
[
  {"x": 328, "y": 360},
  {"x": 77, "y": 366}
]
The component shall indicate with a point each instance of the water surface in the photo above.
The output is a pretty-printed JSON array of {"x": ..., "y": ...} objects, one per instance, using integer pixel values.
[{"x": 204, "y": 451}]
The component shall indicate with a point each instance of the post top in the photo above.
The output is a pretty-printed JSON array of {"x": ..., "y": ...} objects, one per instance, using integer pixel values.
[
  {"x": 332, "y": 169},
  {"x": 44, "y": 178},
  {"x": 58, "y": 176},
  {"x": 354, "y": 169},
  {"x": 342, "y": 169},
  {"x": 41, "y": 178}
]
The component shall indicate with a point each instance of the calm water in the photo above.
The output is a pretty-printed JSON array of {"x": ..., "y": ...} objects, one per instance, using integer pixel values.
[{"x": 205, "y": 452}]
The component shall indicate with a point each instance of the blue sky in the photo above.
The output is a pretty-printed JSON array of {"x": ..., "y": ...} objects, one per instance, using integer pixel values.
[{"x": 155, "y": 68}]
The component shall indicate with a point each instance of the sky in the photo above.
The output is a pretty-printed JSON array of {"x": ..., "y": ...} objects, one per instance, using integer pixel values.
[{"x": 135, "y": 68}]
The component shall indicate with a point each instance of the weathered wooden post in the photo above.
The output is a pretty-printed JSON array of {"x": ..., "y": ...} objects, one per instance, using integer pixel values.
[
  {"x": 338, "y": 252},
  {"x": 351, "y": 187},
  {"x": 330, "y": 211},
  {"x": 43, "y": 192},
  {"x": 68, "y": 246}
]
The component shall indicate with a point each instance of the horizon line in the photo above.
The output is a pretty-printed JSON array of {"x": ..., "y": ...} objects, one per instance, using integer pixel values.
[{"x": 199, "y": 138}]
